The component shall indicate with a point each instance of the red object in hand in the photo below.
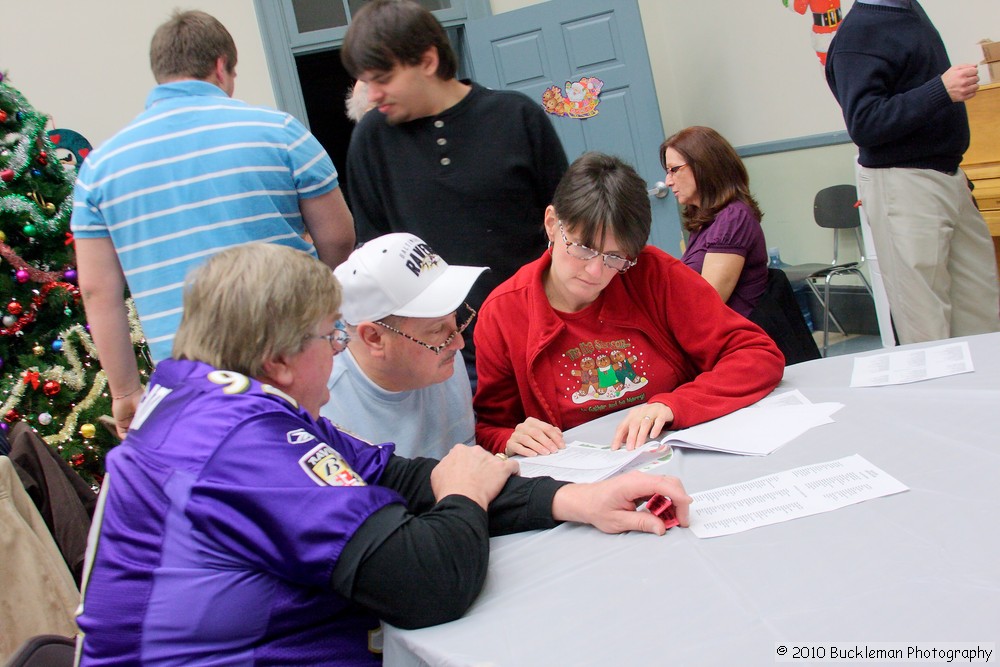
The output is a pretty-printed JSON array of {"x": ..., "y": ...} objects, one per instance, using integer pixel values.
[{"x": 664, "y": 509}]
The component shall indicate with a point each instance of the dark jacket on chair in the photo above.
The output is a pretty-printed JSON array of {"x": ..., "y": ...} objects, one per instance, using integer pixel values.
[
  {"x": 65, "y": 501},
  {"x": 778, "y": 314}
]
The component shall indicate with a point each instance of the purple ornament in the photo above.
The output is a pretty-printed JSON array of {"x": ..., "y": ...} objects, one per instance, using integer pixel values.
[
  {"x": 1, "y": 363},
  {"x": 4, "y": 427},
  {"x": 69, "y": 275},
  {"x": 22, "y": 276}
]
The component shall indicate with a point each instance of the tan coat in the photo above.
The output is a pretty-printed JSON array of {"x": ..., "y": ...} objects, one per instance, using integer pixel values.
[{"x": 37, "y": 592}]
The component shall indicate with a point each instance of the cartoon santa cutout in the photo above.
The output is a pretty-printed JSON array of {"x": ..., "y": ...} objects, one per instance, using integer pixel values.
[{"x": 826, "y": 19}]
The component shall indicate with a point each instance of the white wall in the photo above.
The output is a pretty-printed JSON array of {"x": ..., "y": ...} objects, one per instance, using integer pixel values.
[
  {"x": 748, "y": 69},
  {"x": 86, "y": 64},
  {"x": 745, "y": 67}
]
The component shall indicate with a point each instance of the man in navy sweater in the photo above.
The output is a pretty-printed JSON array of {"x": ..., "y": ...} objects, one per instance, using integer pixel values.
[{"x": 903, "y": 103}]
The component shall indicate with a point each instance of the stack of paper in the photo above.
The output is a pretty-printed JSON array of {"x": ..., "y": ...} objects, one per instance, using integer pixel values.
[
  {"x": 586, "y": 462},
  {"x": 755, "y": 431},
  {"x": 912, "y": 365},
  {"x": 783, "y": 496}
]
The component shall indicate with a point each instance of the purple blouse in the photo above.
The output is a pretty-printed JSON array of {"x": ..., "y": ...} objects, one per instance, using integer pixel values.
[{"x": 735, "y": 230}]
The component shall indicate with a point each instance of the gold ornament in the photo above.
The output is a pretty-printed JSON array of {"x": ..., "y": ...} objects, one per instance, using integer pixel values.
[
  {"x": 38, "y": 350},
  {"x": 3, "y": 237},
  {"x": 69, "y": 424},
  {"x": 88, "y": 431}
]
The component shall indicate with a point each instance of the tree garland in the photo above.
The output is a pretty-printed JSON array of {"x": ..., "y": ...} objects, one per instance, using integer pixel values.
[{"x": 29, "y": 315}]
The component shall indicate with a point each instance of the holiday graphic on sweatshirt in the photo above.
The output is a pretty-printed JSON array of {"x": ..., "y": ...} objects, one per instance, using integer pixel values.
[{"x": 603, "y": 372}]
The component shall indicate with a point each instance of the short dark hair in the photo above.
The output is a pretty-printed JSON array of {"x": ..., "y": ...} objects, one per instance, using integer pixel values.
[
  {"x": 188, "y": 46},
  {"x": 601, "y": 194},
  {"x": 719, "y": 173},
  {"x": 385, "y": 33}
]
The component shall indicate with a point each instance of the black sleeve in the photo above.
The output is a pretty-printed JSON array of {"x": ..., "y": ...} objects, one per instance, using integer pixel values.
[
  {"x": 522, "y": 504},
  {"x": 410, "y": 478},
  {"x": 423, "y": 567},
  {"x": 550, "y": 158},
  {"x": 417, "y": 571},
  {"x": 364, "y": 180}
]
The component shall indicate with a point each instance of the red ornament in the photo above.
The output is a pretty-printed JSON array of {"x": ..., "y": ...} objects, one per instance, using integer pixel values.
[
  {"x": 15, "y": 308},
  {"x": 51, "y": 388},
  {"x": 43, "y": 157},
  {"x": 76, "y": 460},
  {"x": 36, "y": 302},
  {"x": 3, "y": 116},
  {"x": 12, "y": 416},
  {"x": 7, "y": 175}
]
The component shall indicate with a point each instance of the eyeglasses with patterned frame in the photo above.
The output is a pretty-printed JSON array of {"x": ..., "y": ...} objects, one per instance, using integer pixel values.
[
  {"x": 338, "y": 338},
  {"x": 466, "y": 312},
  {"x": 672, "y": 171},
  {"x": 582, "y": 252}
]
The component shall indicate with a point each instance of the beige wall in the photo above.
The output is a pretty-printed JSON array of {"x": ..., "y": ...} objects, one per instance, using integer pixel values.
[
  {"x": 86, "y": 64},
  {"x": 748, "y": 69},
  {"x": 785, "y": 184},
  {"x": 745, "y": 68}
]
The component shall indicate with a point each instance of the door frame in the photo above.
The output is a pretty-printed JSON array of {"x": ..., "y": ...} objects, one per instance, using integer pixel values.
[{"x": 282, "y": 42}]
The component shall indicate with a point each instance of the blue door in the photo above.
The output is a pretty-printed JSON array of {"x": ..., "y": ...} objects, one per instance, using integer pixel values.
[{"x": 561, "y": 41}]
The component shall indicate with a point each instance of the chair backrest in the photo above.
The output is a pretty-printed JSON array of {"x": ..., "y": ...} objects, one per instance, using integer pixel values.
[
  {"x": 834, "y": 207},
  {"x": 45, "y": 651}
]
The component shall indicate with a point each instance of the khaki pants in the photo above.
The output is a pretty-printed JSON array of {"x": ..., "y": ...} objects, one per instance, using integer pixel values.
[{"x": 935, "y": 253}]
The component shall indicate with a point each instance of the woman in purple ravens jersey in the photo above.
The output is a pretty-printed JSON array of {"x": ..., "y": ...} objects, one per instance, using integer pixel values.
[{"x": 237, "y": 527}]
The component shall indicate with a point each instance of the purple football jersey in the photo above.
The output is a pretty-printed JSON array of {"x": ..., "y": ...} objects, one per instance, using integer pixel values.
[{"x": 222, "y": 517}]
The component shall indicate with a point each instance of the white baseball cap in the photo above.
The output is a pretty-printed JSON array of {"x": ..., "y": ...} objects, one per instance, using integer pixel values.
[{"x": 399, "y": 274}]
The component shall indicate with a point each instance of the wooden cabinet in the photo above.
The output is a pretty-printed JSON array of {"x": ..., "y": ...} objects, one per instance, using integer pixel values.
[{"x": 982, "y": 160}]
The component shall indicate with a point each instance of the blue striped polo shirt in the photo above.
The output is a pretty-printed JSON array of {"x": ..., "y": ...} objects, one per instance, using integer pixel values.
[{"x": 197, "y": 172}]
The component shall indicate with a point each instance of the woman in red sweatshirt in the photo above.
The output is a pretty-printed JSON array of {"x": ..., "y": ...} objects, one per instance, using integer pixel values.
[{"x": 601, "y": 322}]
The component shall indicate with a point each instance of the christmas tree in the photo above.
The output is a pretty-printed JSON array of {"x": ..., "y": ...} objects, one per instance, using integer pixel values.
[{"x": 49, "y": 373}]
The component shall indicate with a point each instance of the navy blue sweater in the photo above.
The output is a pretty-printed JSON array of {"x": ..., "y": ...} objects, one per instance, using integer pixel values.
[{"x": 884, "y": 67}]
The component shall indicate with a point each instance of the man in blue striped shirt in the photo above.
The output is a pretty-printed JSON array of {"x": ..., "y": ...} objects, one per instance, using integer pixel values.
[{"x": 195, "y": 173}]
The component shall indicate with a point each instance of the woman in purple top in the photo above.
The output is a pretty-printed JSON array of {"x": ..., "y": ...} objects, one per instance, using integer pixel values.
[{"x": 726, "y": 243}]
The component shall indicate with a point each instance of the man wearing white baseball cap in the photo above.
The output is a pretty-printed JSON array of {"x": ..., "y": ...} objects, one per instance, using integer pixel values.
[{"x": 402, "y": 379}]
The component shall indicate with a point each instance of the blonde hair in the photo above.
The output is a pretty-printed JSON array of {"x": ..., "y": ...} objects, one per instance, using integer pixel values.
[{"x": 253, "y": 303}]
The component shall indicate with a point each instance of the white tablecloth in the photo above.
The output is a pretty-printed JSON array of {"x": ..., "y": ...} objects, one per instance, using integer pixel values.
[{"x": 923, "y": 565}]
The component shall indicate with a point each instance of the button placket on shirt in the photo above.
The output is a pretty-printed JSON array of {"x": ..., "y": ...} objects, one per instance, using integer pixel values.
[{"x": 442, "y": 143}]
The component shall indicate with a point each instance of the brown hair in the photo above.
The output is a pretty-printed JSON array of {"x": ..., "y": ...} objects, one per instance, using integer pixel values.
[
  {"x": 385, "y": 33},
  {"x": 718, "y": 171},
  {"x": 188, "y": 46},
  {"x": 601, "y": 194},
  {"x": 252, "y": 303}
]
